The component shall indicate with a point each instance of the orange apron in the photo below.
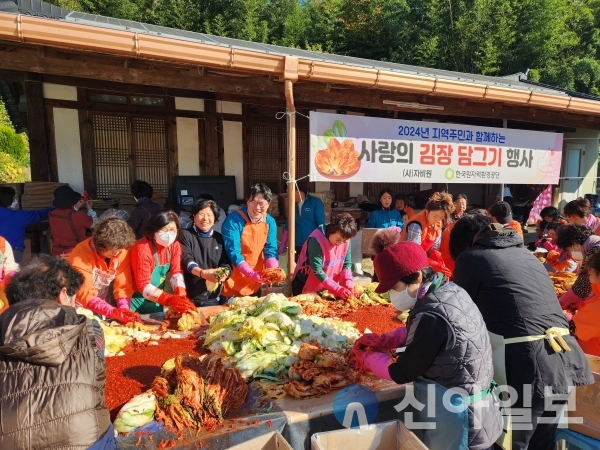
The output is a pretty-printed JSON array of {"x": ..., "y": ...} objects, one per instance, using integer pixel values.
[
  {"x": 586, "y": 324},
  {"x": 253, "y": 240}
]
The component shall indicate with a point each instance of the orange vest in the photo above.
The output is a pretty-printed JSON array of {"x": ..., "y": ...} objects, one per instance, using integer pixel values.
[
  {"x": 409, "y": 211},
  {"x": 517, "y": 227},
  {"x": 445, "y": 247},
  {"x": 429, "y": 234},
  {"x": 586, "y": 322}
]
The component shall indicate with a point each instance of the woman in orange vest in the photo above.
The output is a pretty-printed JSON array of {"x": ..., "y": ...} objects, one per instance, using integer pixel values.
[
  {"x": 250, "y": 240},
  {"x": 587, "y": 318},
  {"x": 425, "y": 229},
  {"x": 103, "y": 260}
]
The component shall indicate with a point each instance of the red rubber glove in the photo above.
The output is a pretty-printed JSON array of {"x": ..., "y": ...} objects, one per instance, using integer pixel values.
[
  {"x": 124, "y": 316},
  {"x": 387, "y": 341},
  {"x": 178, "y": 303},
  {"x": 180, "y": 291}
]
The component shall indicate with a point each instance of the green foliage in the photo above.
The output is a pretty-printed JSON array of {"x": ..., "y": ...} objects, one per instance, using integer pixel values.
[
  {"x": 4, "y": 117},
  {"x": 13, "y": 144},
  {"x": 558, "y": 40}
]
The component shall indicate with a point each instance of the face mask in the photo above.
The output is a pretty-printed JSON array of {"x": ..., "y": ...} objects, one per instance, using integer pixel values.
[
  {"x": 15, "y": 204},
  {"x": 577, "y": 256},
  {"x": 165, "y": 239},
  {"x": 402, "y": 300}
]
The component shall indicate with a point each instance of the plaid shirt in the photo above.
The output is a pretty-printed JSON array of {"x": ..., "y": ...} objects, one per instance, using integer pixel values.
[{"x": 413, "y": 234}]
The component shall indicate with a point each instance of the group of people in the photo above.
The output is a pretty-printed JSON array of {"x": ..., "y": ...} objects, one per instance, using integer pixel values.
[{"x": 494, "y": 321}]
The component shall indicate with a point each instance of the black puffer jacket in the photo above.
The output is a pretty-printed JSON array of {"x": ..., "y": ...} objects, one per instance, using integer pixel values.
[
  {"x": 516, "y": 298},
  {"x": 465, "y": 361},
  {"x": 51, "y": 377}
]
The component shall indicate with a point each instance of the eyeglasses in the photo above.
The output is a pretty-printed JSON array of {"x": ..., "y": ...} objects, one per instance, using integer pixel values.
[{"x": 257, "y": 204}]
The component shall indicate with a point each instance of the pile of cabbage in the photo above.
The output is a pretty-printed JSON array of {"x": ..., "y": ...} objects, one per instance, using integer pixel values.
[{"x": 262, "y": 336}]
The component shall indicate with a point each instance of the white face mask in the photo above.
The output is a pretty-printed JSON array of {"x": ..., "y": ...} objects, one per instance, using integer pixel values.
[
  {"x": 577, "y": 256},
  {"x": 402, "y": 300},
  {"x": 15, "y": 204},
  {"x": 165, "y": 239}
]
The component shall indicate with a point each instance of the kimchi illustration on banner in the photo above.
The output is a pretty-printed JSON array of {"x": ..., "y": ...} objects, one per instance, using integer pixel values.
[
  {"x": 371, "y": 149},
  {"x": 339, "y": 160}
]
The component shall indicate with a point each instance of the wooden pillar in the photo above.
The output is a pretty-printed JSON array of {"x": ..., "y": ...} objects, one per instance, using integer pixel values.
[
  {"x": 211, "y": 137},
  {"x": 36, "y": 127},
  {"x": 86, "y": 136}
]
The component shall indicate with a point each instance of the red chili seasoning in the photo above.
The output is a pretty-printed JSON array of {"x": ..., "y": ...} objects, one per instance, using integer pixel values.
[
  {"x": 133, "y": 373},
  {"x": 269, "y": 423},
  {"x": 377, "y": 318}
]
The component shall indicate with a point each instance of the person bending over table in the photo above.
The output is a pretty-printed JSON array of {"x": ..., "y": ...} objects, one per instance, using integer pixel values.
[
  {"x": 325, "y": 259},
  {"x": 250, "y": 237},
  {"x": 443, "y": 347},
  {"x": 103, "y": 260}
]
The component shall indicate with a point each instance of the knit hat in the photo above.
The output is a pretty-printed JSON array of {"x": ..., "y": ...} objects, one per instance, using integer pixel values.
[
  {"x": 65, "y": 197},
  {"x": 501, "y": 212},
  {"x": 397, "y": 262}
]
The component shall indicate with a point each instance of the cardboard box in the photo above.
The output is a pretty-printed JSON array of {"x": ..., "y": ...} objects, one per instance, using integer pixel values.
[
  {"x": 367, "y": 234},
  {"x": 276, "y": 288},
  {"x": 269, "y": 441},
  {"x": 587, "y": 403},
  {"x": 379, "y": 436}
]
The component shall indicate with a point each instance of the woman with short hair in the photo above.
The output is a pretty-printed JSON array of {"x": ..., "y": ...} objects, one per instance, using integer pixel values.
[
  {"x": 203, "y": 255},
  {"x": 250, "y": 237},
  {"x": 103, "y": 260},
  {"x": 325, "y": 260},
  {"x": 153, "y": 258},
  {"x": 579, "y": 212}
]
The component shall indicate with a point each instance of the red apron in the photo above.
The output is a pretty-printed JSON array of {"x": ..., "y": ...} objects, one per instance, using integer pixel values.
[
  {"x": 253, "y": 240},
  {"x": 333, "y": 261}
]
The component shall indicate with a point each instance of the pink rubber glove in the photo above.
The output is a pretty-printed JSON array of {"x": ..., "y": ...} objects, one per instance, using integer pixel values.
[
  {"x": 396, "y": 229},
  {"x": 124, "y": 303},
  {"x": 374, "y": 362},
  {"x": 99, "y": 306},
  {"x": 336, "y": 289},
  {"x": 387, "y": 341},
  {"x": 284, "y": 239},
  {"x": 346, "y": 278},
  {"x": 570, "y": 300},
  {"x": 271, "y": 263},
  {"x": 245, "y": 268}
]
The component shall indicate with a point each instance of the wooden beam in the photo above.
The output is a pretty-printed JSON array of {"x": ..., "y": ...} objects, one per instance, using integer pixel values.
[
  {"x": 211, "y": 137},
  {"x": 24, "y": 57},
  {"x": 36, "y": 127},
  {"x": 202, "y": 146},
  {"x": 51, "y": 139},
  {"x": 172, "y": 155},
  {"x": 86, "y": 136}
]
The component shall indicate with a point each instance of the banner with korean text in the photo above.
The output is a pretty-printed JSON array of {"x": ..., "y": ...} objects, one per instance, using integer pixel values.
[{"x": 371, "y": 149}]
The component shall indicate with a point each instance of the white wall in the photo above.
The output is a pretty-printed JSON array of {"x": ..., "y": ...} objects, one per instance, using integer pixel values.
[
  {"x": 68, "y": 147},
  {"x": 188, "y": 146},
  {"x": 356, "y": 189},
  {"x": 323, "y": 186},
  {"x": 229, "y": 107},
  {"x": 234, "y": 154},
  {"x": 189, "y": 104},
  {"x": 59, "y": 91}
]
